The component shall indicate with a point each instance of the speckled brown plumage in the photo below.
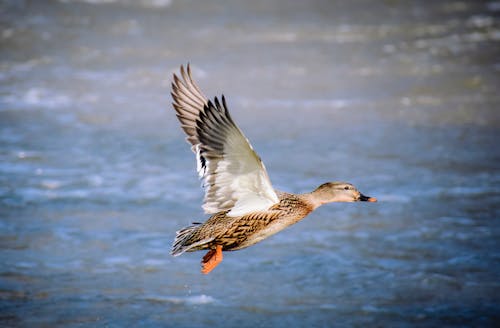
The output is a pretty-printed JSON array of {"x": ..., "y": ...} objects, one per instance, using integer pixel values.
[
  {"x": 239, "y": 196},
  {"x": 235, "y": 233}
]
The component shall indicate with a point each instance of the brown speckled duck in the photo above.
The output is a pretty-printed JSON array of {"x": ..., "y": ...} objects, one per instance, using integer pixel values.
[{"x": 244, "y": 206}]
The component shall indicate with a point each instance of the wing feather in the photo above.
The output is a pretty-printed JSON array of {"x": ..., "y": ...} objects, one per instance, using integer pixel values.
[{"x": 234, "y": 177}]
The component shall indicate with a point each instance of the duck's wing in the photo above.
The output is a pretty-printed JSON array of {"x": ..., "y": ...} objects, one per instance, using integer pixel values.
[{"x": 234, "y": 176}]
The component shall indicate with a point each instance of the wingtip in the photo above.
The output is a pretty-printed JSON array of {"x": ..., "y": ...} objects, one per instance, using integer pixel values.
[
  {"x": 175, "y": 83},
  {"x": 224, "y": 102},
  {"x": 208, "y": 104},
  {"x": 216, "y": 102},
  {"x": 183, "y": 72}
]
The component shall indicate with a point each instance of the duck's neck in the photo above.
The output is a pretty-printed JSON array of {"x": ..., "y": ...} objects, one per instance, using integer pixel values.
[{"x": 312, "y": 199}]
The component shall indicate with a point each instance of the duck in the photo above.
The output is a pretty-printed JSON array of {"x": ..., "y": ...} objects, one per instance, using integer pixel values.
[{"x": 244, "y": 207}]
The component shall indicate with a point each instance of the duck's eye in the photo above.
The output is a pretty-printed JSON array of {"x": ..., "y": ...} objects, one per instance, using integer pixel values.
[{"x": 346, "y": 188}]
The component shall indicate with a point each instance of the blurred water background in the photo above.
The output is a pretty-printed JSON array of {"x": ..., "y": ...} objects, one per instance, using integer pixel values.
[{"x": 399, "y": 97}]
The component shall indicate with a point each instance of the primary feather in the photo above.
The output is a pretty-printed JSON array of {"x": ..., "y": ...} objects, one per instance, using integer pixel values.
[{"x": 234, "y": 177}]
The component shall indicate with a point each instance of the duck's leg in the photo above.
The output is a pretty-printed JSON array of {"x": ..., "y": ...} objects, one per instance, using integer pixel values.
[{"x": 211, "y": 259}]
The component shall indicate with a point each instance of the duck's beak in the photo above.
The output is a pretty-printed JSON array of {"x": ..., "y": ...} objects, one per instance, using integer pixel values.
[{"x": 363, "y": 198}]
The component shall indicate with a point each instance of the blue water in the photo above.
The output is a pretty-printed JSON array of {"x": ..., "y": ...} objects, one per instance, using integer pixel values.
[{"x": 399, "y": 98}]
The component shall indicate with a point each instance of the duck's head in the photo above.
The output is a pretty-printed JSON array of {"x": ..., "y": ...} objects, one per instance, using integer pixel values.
[{"x": 339, "y": 192}]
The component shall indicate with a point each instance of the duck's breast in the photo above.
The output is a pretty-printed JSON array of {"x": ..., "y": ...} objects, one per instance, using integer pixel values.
[{"x": 288, "y": 211}]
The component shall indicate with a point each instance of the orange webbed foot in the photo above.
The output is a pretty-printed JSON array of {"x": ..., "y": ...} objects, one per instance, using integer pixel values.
[{"x": 211, "y": 259}]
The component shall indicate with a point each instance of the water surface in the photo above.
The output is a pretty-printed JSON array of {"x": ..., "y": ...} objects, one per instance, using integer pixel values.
[{"x": 398, "y": 97}]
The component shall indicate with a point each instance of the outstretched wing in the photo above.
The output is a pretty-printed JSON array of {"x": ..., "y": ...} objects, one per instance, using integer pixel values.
[{"x": 234, "y": 176}]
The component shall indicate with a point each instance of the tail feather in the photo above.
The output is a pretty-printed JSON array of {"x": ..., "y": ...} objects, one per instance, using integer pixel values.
[{"x": 182, "y": 242}]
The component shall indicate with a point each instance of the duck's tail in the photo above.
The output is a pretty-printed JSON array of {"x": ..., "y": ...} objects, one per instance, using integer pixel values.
[{"x": 184, "y": 242}]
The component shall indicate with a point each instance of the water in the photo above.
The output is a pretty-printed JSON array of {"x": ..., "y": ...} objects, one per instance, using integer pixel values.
[{"x": 398, "y": 97}]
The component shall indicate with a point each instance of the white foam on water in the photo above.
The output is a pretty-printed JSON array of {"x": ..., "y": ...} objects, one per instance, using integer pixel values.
[
  {"x": 44, "y": 98},
  {"x": 189, "y": 300},
  {"x": 142, "y": 3}
]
